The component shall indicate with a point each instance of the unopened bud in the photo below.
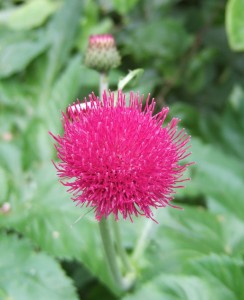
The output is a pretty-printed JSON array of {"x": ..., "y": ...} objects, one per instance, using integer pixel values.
[{"x": 102, "y": 54}]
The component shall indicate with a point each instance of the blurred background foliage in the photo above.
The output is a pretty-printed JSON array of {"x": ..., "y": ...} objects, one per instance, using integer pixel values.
[{"x": 187, "y": 50}]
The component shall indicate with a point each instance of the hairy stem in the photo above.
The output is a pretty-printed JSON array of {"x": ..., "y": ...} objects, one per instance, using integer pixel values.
[{"x": 122, "y": 283}]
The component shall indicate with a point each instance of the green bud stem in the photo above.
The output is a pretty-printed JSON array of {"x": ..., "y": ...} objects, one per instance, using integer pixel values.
[{"x": 103, "y": 85}]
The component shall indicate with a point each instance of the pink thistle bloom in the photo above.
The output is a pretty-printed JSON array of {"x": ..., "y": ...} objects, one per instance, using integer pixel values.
[{"x": 120, "y": 159}]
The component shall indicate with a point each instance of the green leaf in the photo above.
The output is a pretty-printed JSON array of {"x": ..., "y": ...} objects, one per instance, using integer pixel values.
[
  {"x": 185, "y": 235},
  {"x": 65, "y": 88},
  {"x": 124, "y": 6},
  {"x": 225, "y": 130},
  {"x": 16, "y": 55},
  {"x": 132, "y": 75},
  {"x": 62, "y": 31},
  {"x": 173, "y": 287},
  {"x": 235, "y": 24},
  {"x": 27, "y": 275},
  {"x": 10, "y": 158},
  {"x": 220, "y": 177},
  {"x": 145, "y": 83},
  {"x": 222, "y": 269},
  {"x": 62, "y": 39},
  {"x": 10, "y": 91},
  {"x": 37, "y": 146},
  {"x": 63, "y": 93},
  {"x": 198, "y": 73},
  {"x": 47, "y": 217},
  {"x": 155, "y": 41},
  {"x": 232, "y": 131},
  {"x": 182, "y": 111},
  {"x": 29, "y": 15}
]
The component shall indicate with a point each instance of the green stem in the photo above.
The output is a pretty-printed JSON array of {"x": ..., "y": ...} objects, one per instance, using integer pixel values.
[
  {"x": 122, "y": 284},
  {"x": 121, "y": 251},
  {"x": 103, "y": 84}
]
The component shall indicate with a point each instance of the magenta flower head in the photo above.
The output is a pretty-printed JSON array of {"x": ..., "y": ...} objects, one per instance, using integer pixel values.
[{"x": 118, "y": 158}]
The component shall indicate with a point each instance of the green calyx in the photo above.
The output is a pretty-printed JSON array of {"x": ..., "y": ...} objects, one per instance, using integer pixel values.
[{"x": 102, "y": 59}]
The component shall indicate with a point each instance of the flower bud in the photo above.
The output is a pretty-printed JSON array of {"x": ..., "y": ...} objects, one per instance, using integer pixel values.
[{"x": 102, "y": 54}]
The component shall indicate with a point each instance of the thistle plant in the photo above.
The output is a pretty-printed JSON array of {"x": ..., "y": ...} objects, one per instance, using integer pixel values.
[{"x": 122, "y": 160}]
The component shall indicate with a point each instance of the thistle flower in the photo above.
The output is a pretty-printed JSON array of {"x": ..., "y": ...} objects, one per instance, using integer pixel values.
[
  {"x": 120, "y": 159},
  {"x": 102, "y": 54}
]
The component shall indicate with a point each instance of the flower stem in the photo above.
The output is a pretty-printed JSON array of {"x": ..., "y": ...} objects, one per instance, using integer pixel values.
[
  {"x": 103, "y": 84},
  {"x": 122, "y": 283},
  {"x": 120, "y": 248}
]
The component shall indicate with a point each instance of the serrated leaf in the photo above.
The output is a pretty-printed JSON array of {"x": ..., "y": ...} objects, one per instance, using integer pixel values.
[
  {"x": 173, "y": 287},
  {"x": 220, "y": 177},
  {"x": 235, "y": 24},
  {"x": 27, "y": 275},
  {"x": 132, "y": 75},
  {"x": 222, "y": 269},
  {"x": 185, "y": 235}
]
